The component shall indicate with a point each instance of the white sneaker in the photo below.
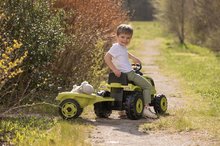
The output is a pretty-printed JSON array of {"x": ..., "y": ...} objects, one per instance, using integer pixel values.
[{"x": 148, "y": 113}]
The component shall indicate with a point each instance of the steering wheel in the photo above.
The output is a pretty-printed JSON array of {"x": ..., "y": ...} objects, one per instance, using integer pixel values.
[{"x": 136, "y": 67}]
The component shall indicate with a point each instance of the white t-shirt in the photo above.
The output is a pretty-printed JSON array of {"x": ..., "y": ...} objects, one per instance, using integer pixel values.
[{"x": 120, "y": 58}]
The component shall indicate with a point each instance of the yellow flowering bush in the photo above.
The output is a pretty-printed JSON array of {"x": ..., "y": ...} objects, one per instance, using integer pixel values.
[{"x": 9, "y": 62}]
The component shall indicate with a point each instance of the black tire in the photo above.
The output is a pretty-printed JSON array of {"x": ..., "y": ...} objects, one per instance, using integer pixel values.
[
  {"x": 103, "y": 109},
  {"x": 70, "y": 109},
  {"x": 134, "y": 106},
  {"x": 160, "y": 104}
]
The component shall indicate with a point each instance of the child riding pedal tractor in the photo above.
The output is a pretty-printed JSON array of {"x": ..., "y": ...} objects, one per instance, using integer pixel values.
[
  {"x": 119, "y": 94},
  {"x": 127, "y": 96}
]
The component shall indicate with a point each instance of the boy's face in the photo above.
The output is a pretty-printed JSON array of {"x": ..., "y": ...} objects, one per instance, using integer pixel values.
[{"x": 124, "y": 39}]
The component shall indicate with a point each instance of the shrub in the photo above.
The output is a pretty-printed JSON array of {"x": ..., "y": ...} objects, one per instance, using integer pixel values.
[
  {"x": 66, "y": 41},
  {"x": 10, "y": 61},
  {"x": 40, "y": 28},
  {"x": 91, "y": 27}
]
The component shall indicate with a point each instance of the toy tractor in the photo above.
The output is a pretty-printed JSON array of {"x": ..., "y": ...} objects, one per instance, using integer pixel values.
[{"x": 119, "y": 94}]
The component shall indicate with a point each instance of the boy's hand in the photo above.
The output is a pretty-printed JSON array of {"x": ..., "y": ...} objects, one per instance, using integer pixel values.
[
  {"x": 117, "y": 73},
  {"x": 108, "y": 61}
]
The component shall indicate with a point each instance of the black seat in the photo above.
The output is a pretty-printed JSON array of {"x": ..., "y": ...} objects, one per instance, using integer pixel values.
[{"x": 123, "y": 79}]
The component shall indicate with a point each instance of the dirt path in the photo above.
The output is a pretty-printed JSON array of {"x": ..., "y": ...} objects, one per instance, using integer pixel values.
[{"x": 124, "y": 132}]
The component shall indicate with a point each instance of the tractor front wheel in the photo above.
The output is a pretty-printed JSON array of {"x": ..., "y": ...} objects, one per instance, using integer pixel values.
[{"x": 160, "y": 104}]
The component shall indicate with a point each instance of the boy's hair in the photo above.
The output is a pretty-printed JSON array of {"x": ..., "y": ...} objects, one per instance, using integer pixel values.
[{"x": 124, "y": 28}]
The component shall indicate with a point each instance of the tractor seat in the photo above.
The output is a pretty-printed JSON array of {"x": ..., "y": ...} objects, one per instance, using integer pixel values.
[{"x": 123, "y": 79}]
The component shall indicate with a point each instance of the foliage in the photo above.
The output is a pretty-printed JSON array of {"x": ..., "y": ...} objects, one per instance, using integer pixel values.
[
  {"x": 97, "y": 70},
  {"x": 143, "y": 32},
  {"x": 140, "y": 10},
  {"x": 41, "y": 30},
  {"x": 92, "y": 22},
  {"x": 37, "y": 124},
  {"x": 66, "y": 133},
  {"x": 199, "y": 69},
  {"x": 42, "y": 131},
  {"x": 37, "y": 25},
  {"x": 66, "y": 41},
  {"x": 174, "y": 14},
  {"x": 191, "y": 20},
  {"x": 23, "y": 129},
  {"x": 205, "y": 24},
  {"x": 9, "y": 61}
]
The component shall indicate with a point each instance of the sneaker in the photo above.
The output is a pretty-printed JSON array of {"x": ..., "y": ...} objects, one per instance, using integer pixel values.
[
  {"x": 148, "y": 113},
  {"x": 122, "y": 115}
]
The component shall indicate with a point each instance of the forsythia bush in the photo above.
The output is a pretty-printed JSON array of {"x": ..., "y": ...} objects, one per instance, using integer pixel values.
[
  {"x": 9, "y": 62},
  {"x": 40, "y": 28}
]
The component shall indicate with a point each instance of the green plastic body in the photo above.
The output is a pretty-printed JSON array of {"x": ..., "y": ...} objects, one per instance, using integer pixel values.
[{"x": 85, "y": 100}]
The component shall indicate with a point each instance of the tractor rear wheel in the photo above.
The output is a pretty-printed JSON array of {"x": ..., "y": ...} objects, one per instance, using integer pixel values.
[{"x": 103, "y": 109}]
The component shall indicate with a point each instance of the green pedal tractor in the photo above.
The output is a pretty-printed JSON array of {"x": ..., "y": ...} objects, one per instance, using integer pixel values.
[{"x": 119, "y": 94}]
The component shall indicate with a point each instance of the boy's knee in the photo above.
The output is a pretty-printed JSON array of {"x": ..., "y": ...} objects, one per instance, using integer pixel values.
[{"x": 147, "y": 85}]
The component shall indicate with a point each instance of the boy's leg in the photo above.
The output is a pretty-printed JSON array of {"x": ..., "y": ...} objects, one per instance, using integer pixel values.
[
  {"x": 146, "y": 86},
  {"x": 143, "y": 83}
]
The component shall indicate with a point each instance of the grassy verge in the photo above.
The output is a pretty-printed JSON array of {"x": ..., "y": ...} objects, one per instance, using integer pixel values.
[
  {"x": 143, "y": 31},
  {"x": 41, "y": 125},
  {"x": 66, "y": 133},
  {"x": 20, "y": 129},
  {"x": 198, "y": 71}
]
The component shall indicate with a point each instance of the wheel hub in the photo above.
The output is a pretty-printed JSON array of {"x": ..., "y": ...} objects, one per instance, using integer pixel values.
[
  {"x": 139, "y": 106},
  {"x": 69, "y": 109},
  {"x": 163, "y": 104}
]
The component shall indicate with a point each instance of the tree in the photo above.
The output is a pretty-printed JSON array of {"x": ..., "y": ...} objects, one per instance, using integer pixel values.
[
  {"x": 197, "y": 21},
  {"x": 205, "y": 23},
  {"x": 173, "y": 14}
]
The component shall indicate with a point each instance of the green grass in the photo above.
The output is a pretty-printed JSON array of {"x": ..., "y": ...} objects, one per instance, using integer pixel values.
[
  {"x": 198, "y": 66},
  {"x": 178, "y": 121},
  {"x": 142, "y": 32},
  {"x": 198, "y": 71},
  {"x": 66, "y": 133},
  {"x": 44, "y": 127},
  {"x": 19, "y": 130}
]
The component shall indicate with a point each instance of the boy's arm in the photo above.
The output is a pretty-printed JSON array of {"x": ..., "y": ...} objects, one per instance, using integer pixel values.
[
  {"x": 108, "y": 61},
  {"x": 133, "y": 58}
]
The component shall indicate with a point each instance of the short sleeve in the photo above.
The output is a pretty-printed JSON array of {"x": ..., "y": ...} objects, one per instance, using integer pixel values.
[{"x": 113, "y": 51}]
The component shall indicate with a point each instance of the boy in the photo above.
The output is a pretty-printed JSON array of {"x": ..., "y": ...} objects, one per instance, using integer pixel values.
[{"x": 117, "y": 59}]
